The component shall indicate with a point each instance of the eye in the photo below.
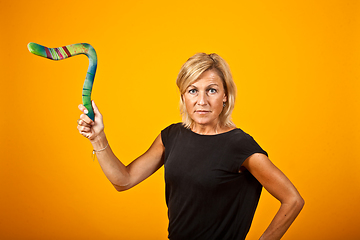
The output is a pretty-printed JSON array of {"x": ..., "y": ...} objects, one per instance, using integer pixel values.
[
  {"x": 192, "y": 91},
  {"x": 212, "y": 90}
]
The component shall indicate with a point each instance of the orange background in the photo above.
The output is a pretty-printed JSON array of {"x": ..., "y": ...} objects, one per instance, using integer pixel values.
[{"x": 296, "y": 66}]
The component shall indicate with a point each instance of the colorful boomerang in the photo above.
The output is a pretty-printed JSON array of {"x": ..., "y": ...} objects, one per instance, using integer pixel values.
[{"x": 69, "y": 51}]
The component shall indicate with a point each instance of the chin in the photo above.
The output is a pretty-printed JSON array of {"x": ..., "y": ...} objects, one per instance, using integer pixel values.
[{"x": 203, "y": 121}]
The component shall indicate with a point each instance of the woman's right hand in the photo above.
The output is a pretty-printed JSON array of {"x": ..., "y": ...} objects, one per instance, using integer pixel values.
[{"x": 88, "y": 128}]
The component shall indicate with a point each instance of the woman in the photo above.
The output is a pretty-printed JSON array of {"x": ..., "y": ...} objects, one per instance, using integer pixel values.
[{"x": 214, "y": 172}]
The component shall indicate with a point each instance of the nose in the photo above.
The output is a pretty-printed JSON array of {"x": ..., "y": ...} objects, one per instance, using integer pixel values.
[{"x": 202, "y": 99}]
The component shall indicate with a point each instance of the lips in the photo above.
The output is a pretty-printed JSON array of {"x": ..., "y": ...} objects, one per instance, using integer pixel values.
[{"x": 202, "y": 111}]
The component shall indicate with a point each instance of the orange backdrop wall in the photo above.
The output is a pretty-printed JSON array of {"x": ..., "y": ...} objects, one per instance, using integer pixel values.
[{"x": 296, "y": 66}]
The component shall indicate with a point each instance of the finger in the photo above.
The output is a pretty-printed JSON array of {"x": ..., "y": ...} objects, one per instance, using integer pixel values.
[
  {"x": 85, "y": 119},
  {"x": 87, "y": 135},
  {"x": 83, "y": 109},
  {"x": 83, "y": 123},
  {"x": 84, "y": 129}
]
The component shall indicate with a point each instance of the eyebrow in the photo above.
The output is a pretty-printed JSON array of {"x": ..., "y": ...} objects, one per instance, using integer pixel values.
[{"x": 212, "y": 84}]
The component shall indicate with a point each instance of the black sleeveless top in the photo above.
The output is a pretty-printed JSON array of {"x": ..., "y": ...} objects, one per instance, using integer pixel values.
[{"x": 207, "y": 197}]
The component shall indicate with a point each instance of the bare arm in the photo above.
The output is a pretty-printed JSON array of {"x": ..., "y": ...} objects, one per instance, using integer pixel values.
[
  {"x": 121, "y": 176},
  {"x": 278, "y": 185}
]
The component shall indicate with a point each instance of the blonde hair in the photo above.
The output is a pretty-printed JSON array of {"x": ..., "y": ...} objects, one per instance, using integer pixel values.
[{"x": 191, "y": 71}]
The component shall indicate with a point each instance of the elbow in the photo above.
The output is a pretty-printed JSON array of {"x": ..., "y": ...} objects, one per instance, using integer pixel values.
[
  {"x": 301, "y": 203},
  {"x": 121, "y": 188},
  {"x": 298, "y": 203},
  {"x": 294, "y": 202}
]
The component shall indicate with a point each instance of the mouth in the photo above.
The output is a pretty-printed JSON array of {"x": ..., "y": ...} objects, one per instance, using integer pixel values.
[{"x": 202, "y": 111}]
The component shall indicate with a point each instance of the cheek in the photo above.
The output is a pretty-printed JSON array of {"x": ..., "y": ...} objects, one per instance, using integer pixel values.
[
  {"x": 219, "y": 108},
  {"x": 188, "y": 101},
  {"x": 218, "y": 102},
  {"x": 187, "y": 104}
]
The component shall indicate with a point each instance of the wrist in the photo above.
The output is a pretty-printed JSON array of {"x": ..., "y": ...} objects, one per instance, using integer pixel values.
[{"x": 99, "y": 142}]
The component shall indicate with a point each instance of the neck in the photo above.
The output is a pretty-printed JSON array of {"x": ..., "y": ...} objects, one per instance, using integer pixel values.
[{"x": 206, "y": 129}]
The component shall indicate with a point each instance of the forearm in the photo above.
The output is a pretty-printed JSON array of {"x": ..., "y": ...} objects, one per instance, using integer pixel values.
[
  {"x": 283, "y": 219},
  {"x": 112, "y": 167}
]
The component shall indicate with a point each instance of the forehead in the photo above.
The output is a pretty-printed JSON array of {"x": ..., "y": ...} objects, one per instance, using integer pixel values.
[{"x": 209, "y": 77}]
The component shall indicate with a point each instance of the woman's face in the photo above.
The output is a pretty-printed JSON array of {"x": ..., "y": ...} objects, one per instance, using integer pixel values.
[{"x": 204, "y": 98}]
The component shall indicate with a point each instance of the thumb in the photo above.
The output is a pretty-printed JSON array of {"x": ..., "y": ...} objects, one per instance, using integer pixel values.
[{"x": 96, "y": 110}]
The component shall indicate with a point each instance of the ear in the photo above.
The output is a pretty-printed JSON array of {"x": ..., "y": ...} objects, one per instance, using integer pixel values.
[{"x": 225, "y": 98}]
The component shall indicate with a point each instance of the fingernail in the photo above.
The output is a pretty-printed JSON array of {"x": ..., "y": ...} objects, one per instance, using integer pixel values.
[{"x": 86, "y": 111}]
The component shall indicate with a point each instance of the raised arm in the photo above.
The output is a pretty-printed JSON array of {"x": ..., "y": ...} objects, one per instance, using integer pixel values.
[
  {"x": 121, "y": 176},
  {"x": 278, "y": 185}
]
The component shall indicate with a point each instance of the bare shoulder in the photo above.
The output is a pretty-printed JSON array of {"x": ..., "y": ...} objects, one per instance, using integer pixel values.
[
  {"x": 258, "y": 162},
  {"x": 155, "y": 150},
  {"x": 260, "y": 166},
  {"x": 271, "y": 177}
]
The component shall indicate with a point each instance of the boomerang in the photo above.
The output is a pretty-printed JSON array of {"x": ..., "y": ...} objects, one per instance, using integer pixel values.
[{"x": 69, "y": 51}]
